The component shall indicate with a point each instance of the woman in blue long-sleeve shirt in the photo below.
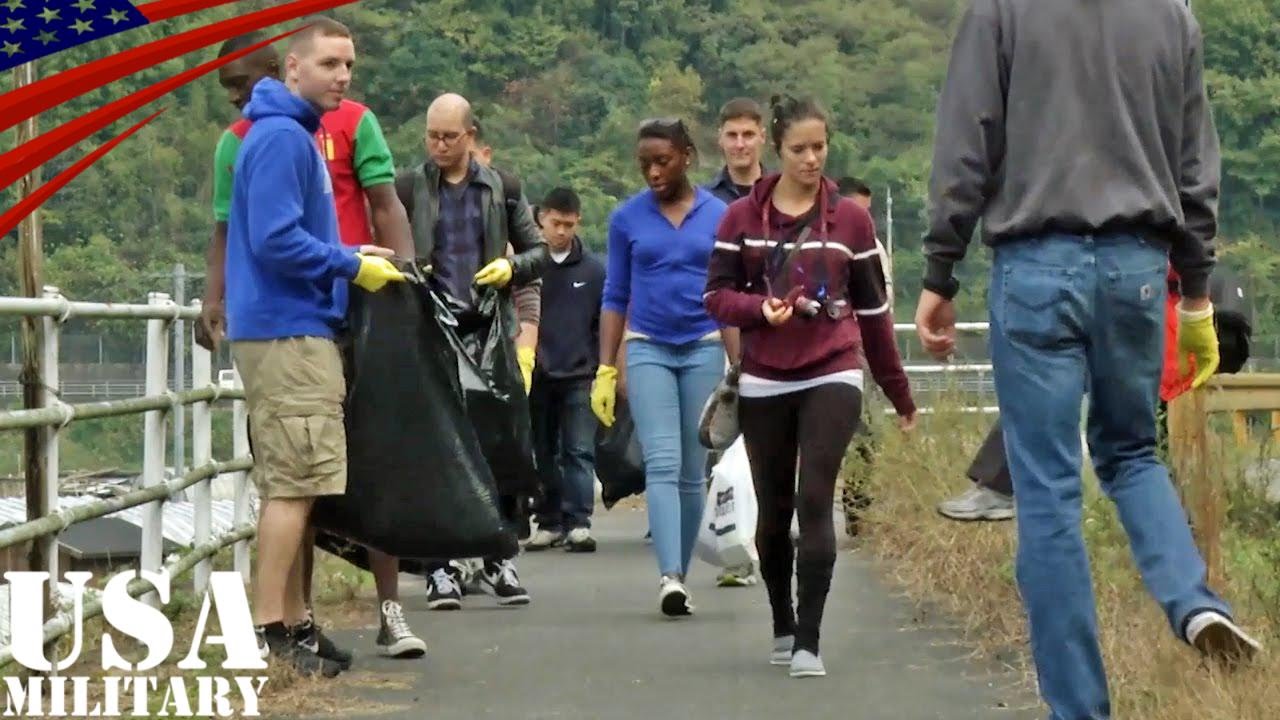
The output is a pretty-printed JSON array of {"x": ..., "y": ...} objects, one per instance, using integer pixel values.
[{"x": 660, "y": 242}]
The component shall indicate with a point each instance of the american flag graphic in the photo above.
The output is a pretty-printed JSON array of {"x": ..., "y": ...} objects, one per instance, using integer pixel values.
[{"x": 32, "y": 29}]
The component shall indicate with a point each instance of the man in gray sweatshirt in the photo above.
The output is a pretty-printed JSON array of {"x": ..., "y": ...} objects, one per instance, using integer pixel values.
[{"x": 1079, "y": 134}]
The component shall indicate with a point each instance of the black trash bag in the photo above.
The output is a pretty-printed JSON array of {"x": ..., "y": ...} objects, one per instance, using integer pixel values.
[
  {"x": 495, "y": 397},
  {"x": 619, "y": 459},
  {"x": 1232, "y": 317},
  {"x": 418, "y": 485}
]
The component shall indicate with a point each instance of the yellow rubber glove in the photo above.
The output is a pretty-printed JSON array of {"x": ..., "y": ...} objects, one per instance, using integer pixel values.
[
  {"x": 525, "y": 357},
  {"x": 604, "y": 394},
  {"x": 497, "y": 273},
  {"x": 1197, "y": 339},
  {"x": 375, "y": 272}
]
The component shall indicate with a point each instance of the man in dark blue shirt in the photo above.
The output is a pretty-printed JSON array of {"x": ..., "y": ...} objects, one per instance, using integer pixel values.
[
  {"x": 741, "y": 142},
  {"x": 568, "y": 353}
]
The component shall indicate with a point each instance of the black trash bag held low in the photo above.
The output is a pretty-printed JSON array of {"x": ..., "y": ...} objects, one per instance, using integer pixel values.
[
  {"x": 418, "y": 485},
  {"x": 1232, "y": 318},
  {"x": 493, "y": 388},
  {"x": 619, "y": 459}
]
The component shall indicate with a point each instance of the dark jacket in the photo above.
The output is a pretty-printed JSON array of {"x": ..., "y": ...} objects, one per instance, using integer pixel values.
[
  {"x": 1076, "y": 117},
  {"x": 723, "y": 187},
  {"x": 569, "y": 334},
  {"x": 839, "y": 261},
  {"x": 419, "y": 191}
]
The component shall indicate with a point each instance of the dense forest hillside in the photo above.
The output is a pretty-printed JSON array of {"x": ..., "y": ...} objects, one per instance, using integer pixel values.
[{"x": 561, "y": 85}]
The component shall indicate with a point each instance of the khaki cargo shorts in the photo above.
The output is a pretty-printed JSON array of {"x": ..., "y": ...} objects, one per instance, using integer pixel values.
[{"x": 294, "y": 389}]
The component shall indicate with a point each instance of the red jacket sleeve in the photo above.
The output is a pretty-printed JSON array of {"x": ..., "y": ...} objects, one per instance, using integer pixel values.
[
  {"x": 725, "y": 299},
  {"x": 1171, "y": 385}
]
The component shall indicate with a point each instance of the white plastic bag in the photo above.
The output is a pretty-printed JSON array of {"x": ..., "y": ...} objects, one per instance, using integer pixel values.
[{"x": 727, "y": 537}]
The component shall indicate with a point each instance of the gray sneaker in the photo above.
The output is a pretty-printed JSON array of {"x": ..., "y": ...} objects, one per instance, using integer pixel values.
[
  {"x": 806, "y": 664},
  {"x": 781, "y": 653},
  {"x": 1221, "y": 640},
  {"x": 978, "y": 503}
]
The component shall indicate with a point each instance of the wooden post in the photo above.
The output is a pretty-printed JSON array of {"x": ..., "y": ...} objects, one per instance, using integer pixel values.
[
  {"x": 30, "y": 262},
  {"x": 1275, "y": 425},
  {"x": 1189, "y": 450},
  {"x": 1240, "y": 426},
  {"x": 1181, "y": 442}
]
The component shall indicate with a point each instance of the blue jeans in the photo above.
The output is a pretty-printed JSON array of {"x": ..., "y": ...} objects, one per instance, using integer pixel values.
[
  {"x": 667, "y": 385},
  {"x": 1067, "y": 311},
  {"x": 564, "y": 431}
]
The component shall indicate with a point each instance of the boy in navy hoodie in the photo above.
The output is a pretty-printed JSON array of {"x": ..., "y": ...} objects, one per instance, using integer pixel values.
[{"x": 287, "y": 274}]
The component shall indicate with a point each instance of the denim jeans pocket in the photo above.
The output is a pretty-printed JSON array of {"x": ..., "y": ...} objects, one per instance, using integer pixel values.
[
  {"x": 1035, "y": 304},
  {"x": 1135, "y": 298}
]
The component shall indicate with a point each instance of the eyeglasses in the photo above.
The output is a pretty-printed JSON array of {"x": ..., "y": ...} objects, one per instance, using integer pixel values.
[{"x": 444, "y": 138}]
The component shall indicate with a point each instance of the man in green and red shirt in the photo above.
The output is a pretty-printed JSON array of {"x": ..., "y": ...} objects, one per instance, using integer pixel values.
[
  {"x": 351, "y": 142},
  {"x": 369, "y": 213}
]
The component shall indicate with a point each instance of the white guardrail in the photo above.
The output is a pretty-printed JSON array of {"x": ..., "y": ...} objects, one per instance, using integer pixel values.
[
  {"x": 155, "y": 402},
  {"x": 983, "y": 370}
]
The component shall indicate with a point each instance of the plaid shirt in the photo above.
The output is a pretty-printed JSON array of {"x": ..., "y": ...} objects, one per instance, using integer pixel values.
[{"x": 459, "y": 235}]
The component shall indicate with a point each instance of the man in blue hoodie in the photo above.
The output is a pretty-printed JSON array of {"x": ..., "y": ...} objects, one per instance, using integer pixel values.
[{"x": 287, "y": 274}]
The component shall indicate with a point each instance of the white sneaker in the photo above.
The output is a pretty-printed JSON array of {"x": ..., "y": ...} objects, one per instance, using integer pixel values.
[
  {"x": 579, "y": 540},
  {"x": 544, "y": 539},
  {"x": 673, "y": 598},
  {"x": 1217, "y": 638}
]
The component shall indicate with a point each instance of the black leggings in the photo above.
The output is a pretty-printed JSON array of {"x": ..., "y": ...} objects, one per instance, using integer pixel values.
[{"x": 817, "y": 425}]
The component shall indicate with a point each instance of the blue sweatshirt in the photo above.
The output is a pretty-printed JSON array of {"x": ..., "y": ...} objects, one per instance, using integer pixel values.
[
  {"x": 657, "y": 273},
  {"x": 287, "y": 271}
]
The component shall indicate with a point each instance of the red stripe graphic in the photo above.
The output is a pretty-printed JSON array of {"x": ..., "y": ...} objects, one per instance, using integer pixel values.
[
  {"x": 18, "y": 105},
  {"x": 165, "y": 9},
  {"x": 30, "y": 155},
  {"x": 15, "y": 214}
]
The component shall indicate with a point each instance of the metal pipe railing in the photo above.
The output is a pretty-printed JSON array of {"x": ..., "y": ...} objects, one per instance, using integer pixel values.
[
  {"x": 66, "y": 517},
  {"x": 53, "y": 305},
  {"x": 54, "y": 415},
  {"x": 968, "y": 327},
  {"x": 62, "y": 414}
]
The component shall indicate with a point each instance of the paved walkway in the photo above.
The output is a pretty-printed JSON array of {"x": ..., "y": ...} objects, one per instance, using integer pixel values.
[{"x": 593, "y": 646}]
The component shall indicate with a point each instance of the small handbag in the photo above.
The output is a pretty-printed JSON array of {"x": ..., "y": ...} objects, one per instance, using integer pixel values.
[{"x": 718, "y": 427}]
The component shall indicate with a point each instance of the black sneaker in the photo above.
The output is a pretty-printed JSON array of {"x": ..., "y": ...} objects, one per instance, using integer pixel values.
[
  {"x": 308, "y": 635},
  {"x": 504, "y": 583},
  {"x": 279, "y": 643},
  {"x": 443, "y": 591}
]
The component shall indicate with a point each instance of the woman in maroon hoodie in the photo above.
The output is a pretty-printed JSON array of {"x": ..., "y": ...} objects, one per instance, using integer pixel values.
[{"x": 796, "y": 267}]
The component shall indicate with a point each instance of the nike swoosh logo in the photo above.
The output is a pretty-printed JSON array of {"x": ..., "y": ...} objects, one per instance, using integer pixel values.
[{"x": 579, "y": 284}]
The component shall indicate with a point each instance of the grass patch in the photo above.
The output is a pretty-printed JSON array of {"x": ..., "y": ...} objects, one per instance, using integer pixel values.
[{"x": 967, "y": 568}]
